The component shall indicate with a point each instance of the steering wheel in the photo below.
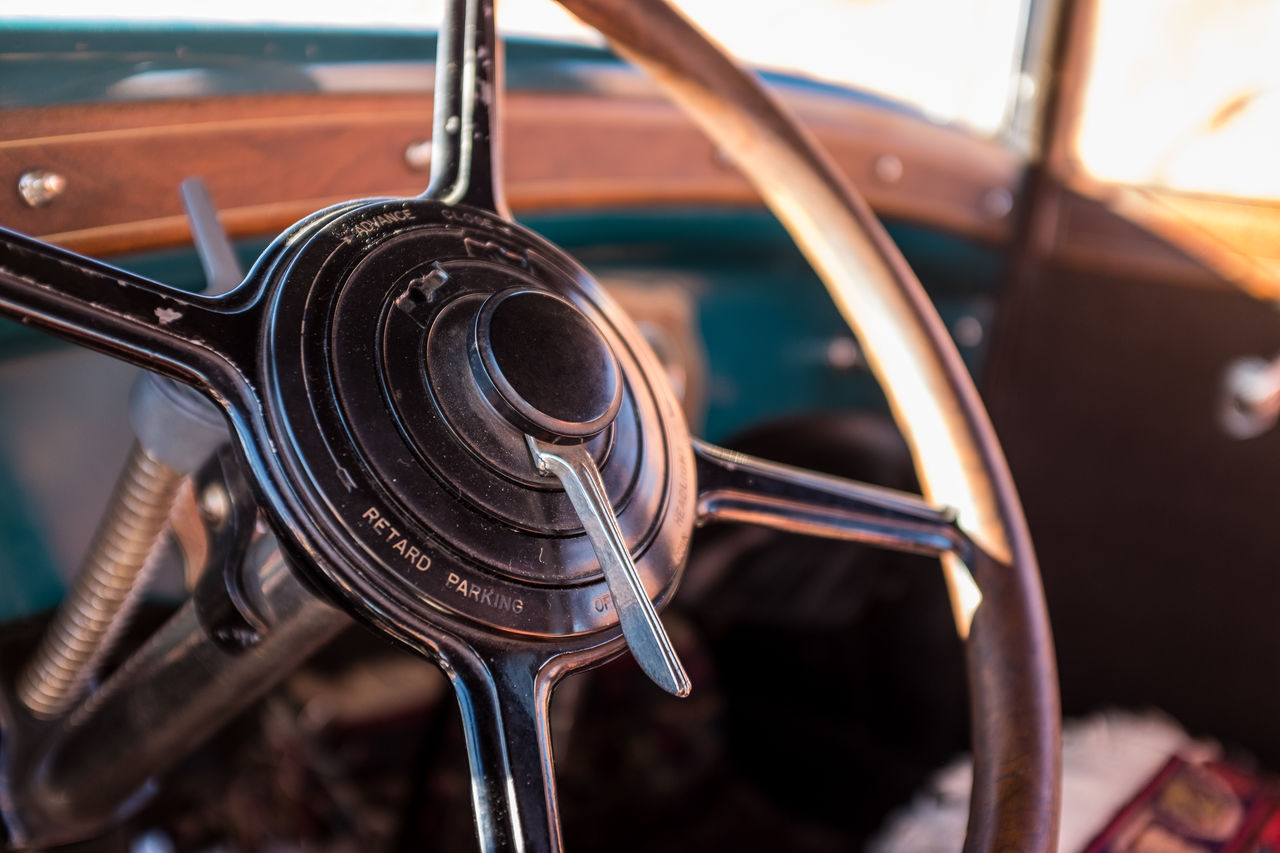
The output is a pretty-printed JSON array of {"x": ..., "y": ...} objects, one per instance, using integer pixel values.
[{"x": 458, "y": 439}]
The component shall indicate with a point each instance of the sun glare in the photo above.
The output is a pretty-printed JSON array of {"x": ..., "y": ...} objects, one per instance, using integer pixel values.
[{"x": 1185, "y": 95}]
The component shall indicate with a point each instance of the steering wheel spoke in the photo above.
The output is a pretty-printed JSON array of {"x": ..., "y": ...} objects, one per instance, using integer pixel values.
[
  {"x": 203, "y": 342},
  {"x": 735, "y": 487},
  {"x": 464, "y": 143},
  {"x": 504, "y": 699}
]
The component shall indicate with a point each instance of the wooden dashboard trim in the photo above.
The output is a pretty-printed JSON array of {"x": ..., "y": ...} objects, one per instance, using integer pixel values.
[{"x": 562, "y": 152}]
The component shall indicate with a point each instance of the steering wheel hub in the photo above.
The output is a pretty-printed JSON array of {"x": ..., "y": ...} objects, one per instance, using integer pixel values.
[{"x": 412, "y": 347}]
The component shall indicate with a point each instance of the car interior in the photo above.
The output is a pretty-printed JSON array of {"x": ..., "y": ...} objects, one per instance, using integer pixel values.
[{"x": 639, "y": 425}]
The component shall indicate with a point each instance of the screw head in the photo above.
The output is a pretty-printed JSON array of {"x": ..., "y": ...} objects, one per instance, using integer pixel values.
[
  {"x": 843, "y": 353},
  {"x": 214, "y": 504},
  {"x": 417, "y": 155},
  {"x": 997, "y": 203},
  {"x": 888, "y": 168},
  {"x": 39, "y": 187}
]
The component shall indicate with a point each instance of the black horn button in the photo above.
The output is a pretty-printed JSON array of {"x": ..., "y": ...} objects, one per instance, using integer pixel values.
[{"x": 544, "y": 366}]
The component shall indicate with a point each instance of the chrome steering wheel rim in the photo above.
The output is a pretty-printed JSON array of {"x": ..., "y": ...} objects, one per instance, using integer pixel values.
[{"x": 1001, "y": 615}]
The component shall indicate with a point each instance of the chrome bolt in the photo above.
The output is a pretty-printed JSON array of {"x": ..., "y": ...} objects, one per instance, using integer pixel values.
[
  {"x": 38, "y": 187},
  {"x": 418, "y": 155},
  {"x": 214, "y": 505},
  {"x": 997, "y": 203},
  {"x": 843, "y": 354},
  {"x": 888, "y": 168},
  {"x": 968, "y": 331}
]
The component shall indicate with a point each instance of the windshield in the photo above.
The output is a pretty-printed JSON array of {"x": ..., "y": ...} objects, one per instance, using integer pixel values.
[{"x": 963, "y": 67}]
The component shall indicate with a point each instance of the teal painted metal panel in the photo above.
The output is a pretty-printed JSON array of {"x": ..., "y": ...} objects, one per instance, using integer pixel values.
[
  {"x": 765, "y": 317},
  {"x": 29, "y": 581}
]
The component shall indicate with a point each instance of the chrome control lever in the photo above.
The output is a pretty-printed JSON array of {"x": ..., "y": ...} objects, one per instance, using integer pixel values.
[{"x": 573, "y": 466}]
